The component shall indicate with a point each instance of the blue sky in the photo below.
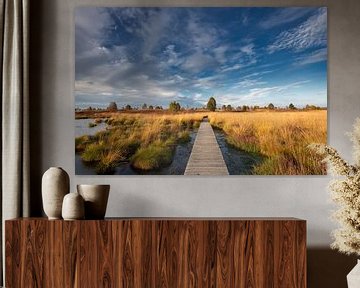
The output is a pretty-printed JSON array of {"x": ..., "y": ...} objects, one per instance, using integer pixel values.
[{"x": 240, "y": 56}]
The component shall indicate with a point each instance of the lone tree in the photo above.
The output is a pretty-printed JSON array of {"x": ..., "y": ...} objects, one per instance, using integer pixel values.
[
  {"x": 174, "y": 106},
  {"x": 292, "y": 106},
  {"x": 128, "y": 107},
  {"x": 229, "y": 107},
  {"x": 112, "y": 106},
  {"x": 144, "y": 106},
  {"x": 211, "y": 105},
  {"x": 271, "y": 106}
]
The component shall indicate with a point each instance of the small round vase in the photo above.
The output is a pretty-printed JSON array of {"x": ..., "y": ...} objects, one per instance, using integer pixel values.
[
  {"x": 55, "y": 185},
  {"x": 96, "y": 198},
  {"x": 73, "y": 207}
]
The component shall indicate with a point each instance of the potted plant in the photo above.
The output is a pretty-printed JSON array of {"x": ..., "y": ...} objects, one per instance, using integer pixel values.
[{"x": 345, "y": 192}]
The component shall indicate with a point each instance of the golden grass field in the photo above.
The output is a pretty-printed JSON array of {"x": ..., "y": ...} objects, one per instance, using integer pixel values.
[
  {"x": 147, "y": 140},
  {"x": 282, "y": 137}
]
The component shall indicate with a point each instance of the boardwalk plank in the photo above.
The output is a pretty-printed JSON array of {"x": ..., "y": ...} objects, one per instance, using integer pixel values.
[{"x": 206, "y": 157}]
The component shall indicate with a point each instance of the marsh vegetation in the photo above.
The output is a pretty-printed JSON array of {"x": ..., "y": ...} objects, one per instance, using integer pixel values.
[
  {"x": 146, "y": 140},
  {"x": 274, "y": 142}
]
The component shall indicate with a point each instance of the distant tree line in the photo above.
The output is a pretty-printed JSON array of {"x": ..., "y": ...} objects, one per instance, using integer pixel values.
[
  {"x": 270, "y": 106},
  {"x": 211, "y": 105}
]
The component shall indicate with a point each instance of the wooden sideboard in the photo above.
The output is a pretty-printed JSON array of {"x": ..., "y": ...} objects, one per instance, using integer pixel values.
[{"x": 156, "y": 252}]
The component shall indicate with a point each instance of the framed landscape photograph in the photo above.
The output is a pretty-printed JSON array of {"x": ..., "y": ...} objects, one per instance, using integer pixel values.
[{"x": 200, "y": 90}]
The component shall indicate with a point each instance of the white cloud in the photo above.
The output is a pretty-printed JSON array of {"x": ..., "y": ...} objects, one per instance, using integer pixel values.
[
  {"x": 151, "y": 25},
  {"x": 267, "y": 91},
  {"x": 90, "y": 33},
  {"x": 203, "y": 35},
  {"x": 172, "y": 80},
  {"x": 259, "y": 95},
  {"x": 256, "y": 74},
  {"x": 208, "y": 82},
  {"x": 263, "y": 92},
  {"x": 220, "y": 53},
  {"x": 246, "y": 56},
  {"x": 246, "y": 83},
  {"x": 198, "y": 62},
  {"x": 311, "y": 33},
  {"x": 92, "y": 87},
  {"x": 231, "y": 68},
  {"x": 283, "y": 16},
  {"x": 172, "y": 56},
  {"x": 84, "y": 20},
  {"x": 248, "y": 49},
  {"x": 153, "y": 30},
  {"x": 197, "y": 95},
  {"x": 317, "y": 56}
]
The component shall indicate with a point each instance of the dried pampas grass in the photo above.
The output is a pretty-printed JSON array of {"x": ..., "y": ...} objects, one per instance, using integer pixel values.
[{"x": 345, "y": 191}]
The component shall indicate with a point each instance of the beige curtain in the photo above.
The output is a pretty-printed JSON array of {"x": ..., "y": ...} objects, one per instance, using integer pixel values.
[{"x": 15, "y": 112}]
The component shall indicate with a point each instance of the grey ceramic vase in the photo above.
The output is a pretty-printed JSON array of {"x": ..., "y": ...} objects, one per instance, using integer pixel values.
[
  {"x": 96, "y": 198},
  {"x": 73, "y": 207},
  {"x": 55, "y": 185}
]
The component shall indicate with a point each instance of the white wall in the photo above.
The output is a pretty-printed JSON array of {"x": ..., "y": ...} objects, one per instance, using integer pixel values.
[{"x": 52, "y": 81}]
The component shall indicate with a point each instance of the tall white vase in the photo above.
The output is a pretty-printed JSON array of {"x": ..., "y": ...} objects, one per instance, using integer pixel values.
[
  {"x": 353, "y": 278},
  {"x": 55, "y": 185}
]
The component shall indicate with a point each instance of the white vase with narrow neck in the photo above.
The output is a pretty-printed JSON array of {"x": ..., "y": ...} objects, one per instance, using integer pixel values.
[
  {"x": 353, "y": 278},
  {"x": 55, "y": 185}
]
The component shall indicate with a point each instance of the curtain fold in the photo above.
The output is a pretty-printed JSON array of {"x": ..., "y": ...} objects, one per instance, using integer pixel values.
[{"x": 15, "y": 154}]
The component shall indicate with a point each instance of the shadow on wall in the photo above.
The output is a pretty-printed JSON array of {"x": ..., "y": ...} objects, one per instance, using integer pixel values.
[
  {"x": 328, "y": 268},
  {"x": 137, "y": 206}
]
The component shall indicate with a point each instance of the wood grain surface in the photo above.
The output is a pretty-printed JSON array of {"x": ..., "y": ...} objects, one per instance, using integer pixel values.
[{"x": 156, "y": 253}]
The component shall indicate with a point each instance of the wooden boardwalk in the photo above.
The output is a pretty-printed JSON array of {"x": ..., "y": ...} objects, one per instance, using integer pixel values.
[{"x": 206, "y": 157}]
